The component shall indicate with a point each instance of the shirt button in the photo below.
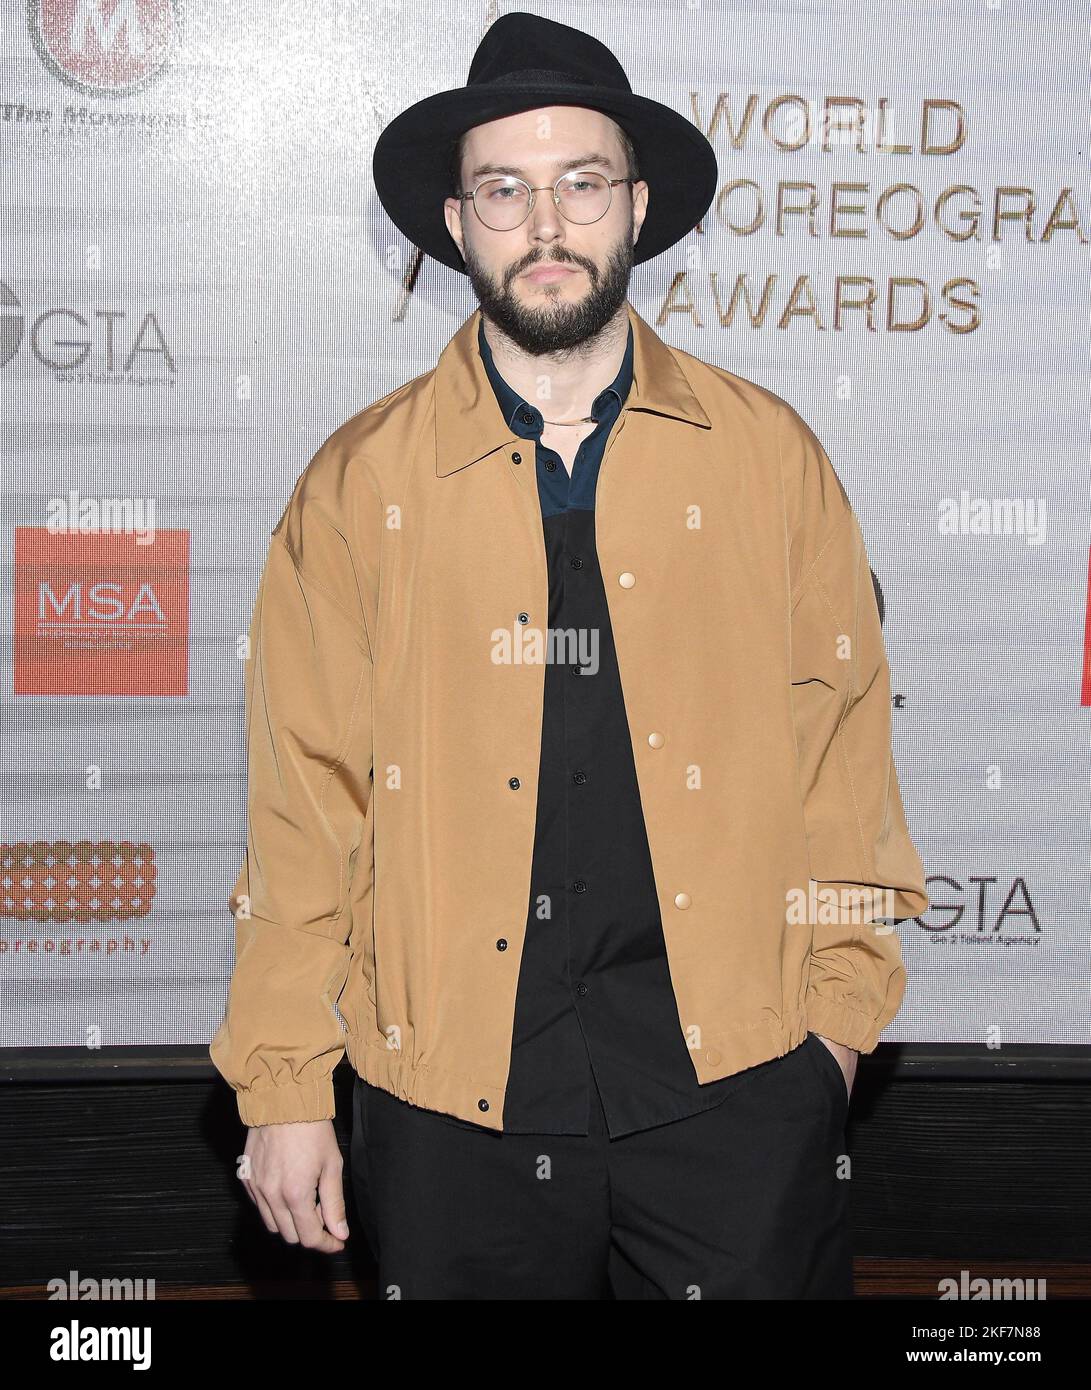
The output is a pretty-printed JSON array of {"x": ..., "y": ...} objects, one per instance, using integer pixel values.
[
  {"x": 524, "y": 617},
  {"x": 576, "y": 562},
  {"x": 526, "y": 417},
  {"x": 550, "y": 466},
  {"x": 482, "y": 1104},
  {"x": 517, "y": 458},
  {"x": 514, "y": 783},
  {"x": 581, "y": 988},
  {"x": 577, "y": 670},
  {"x": 712, "y": 1057},
  {"x": 502, "y": 944},
  {"x": 579, "y": 886},
  {"x": 656, "y": 740},
  {"x": 681, "y": 900},
  {"x": 626, "y": 580},
  {"x": 579, "y": 778}
]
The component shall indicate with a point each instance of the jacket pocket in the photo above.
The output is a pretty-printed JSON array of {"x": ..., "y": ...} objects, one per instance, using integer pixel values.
[{"x": 829, "y": 1064}]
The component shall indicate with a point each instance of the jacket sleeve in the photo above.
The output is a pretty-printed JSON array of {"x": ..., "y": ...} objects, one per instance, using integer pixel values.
[
  {"x": 309, "y": 762},
  {"x": 863, "y": 862}
]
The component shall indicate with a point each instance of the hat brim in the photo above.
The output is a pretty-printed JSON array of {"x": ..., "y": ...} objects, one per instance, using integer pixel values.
[{"x": 411, "y": 158}]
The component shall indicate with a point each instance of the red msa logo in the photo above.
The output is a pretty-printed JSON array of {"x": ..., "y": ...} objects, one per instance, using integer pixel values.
[
  {"x": 101, "y": 614},
  {"x": 1085, "y": 697},
  {"x": 106, "y": 48}
]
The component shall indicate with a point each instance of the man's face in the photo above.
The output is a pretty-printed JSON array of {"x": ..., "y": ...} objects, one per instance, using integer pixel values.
[{"x": 550, "y": 314}]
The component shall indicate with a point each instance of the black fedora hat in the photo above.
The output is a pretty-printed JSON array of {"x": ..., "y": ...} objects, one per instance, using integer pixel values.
[{"x": 524, "y": 62}]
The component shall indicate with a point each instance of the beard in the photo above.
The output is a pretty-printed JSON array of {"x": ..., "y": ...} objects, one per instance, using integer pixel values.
[{"x": 555, "y": 325}]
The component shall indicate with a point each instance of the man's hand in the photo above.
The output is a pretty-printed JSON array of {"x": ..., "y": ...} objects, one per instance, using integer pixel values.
[
  {"x": 846, "y": 1059},
  {"x": 287, "y": 1163}
]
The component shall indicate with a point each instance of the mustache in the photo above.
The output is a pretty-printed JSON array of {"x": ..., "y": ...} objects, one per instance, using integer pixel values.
[{"x": 537, "y": 262}]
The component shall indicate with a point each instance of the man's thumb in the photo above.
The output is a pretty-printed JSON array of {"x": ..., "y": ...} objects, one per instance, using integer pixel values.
[{"x": 331, "y": 1202}]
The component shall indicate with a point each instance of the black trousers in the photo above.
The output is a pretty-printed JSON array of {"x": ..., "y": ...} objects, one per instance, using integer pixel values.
[{"x": 742, "y": 1201}]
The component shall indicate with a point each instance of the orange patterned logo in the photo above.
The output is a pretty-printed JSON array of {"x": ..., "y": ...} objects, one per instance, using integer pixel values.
[{"x": 81, "y": 881}]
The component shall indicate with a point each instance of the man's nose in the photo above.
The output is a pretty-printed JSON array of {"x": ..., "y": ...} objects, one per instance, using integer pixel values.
[{"x": 545, "y": 222}]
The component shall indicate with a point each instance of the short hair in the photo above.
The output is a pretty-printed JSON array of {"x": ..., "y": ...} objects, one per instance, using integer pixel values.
[{"x": 454, "y": 172}]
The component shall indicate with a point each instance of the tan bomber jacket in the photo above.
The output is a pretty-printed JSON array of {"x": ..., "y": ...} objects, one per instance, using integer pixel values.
[{"x": 394, "y": 735}]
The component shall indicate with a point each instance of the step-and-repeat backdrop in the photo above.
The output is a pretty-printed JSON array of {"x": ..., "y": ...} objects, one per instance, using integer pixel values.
[{"x": 198, "y": 285}]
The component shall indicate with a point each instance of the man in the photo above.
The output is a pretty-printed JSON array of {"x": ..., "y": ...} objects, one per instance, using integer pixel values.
[{"x": 569, "y": 753}]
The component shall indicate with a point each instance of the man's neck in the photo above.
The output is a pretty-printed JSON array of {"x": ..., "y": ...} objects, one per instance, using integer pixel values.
[{"x": 573, "y": 378}]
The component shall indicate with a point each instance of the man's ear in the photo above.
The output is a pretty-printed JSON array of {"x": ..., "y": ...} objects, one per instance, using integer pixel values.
[
  {"x": 638, "y": 223},
  {"x": 452, "y": 215}
]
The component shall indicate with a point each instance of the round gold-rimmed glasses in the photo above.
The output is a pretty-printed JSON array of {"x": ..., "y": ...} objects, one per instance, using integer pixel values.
[{"x": 505, "y": 202}]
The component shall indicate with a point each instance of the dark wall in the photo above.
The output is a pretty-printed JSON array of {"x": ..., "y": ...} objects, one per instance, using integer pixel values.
[{"x": 135, "y": 1178}]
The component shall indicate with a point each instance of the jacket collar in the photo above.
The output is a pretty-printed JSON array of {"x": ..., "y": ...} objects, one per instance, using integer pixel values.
[{"x": 470, "y": 424}]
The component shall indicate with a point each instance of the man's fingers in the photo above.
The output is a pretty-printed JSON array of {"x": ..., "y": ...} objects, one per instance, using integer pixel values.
[
  {"x": 266, "y": 1215},
  {"x": 283, "y": 1217},
  {"x": 308, "y": 1222}
]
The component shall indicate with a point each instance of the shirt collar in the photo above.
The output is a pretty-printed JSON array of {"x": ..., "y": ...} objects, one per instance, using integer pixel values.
[
  {"x": 514, "y": 407},
  {"x": 467, "y": 426}
]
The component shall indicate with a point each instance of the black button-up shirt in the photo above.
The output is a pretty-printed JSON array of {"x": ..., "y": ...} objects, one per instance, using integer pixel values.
[{"x": 594, "y": 988}]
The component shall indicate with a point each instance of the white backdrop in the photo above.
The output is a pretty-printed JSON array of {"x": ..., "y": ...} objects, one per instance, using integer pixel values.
[{"x": 198, "y": 285}]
